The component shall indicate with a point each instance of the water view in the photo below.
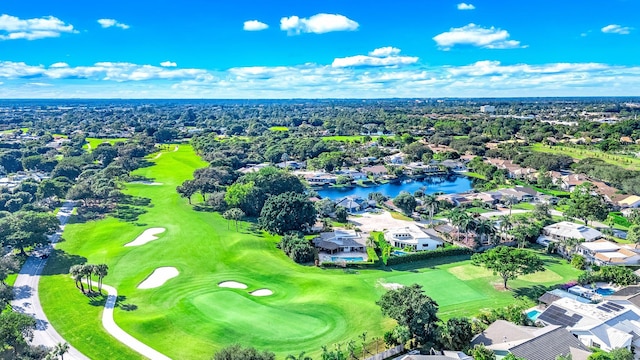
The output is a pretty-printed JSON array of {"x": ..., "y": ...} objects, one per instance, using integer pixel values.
[{"x": 448, "y": 185}]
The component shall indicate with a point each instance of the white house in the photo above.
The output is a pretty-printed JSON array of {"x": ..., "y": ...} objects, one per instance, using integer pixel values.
[
  {"x": 567, "y": 230},
  {"x": 605, "y": 325},
  {"x": 605, "y": 252},
  {"x": 413, "y": 237}
]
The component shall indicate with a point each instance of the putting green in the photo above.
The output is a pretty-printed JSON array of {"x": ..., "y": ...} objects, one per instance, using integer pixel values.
[
  {"x": 470, "y": 272},
  {"x": 190, "y": 317}
]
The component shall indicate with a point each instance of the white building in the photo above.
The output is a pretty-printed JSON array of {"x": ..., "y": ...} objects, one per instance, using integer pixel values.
[
  {"x": 605, "y": 252},
  {"x": 567, "y": 230},
  {"x": 606, "y": 325},
  {"x": 413, "y": 237},
  {"x": 487, "y": 109}
]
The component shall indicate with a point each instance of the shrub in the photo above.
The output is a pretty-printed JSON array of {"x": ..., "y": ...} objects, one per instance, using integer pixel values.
[
  {"x": 430, "y": 254},
  {"x": 297, "y": 248},
  {"x": 578, "y": 261}
]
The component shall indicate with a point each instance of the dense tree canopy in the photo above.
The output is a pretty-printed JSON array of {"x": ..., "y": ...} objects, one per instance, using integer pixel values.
[
  {"x": 509, "y": 262},
  {"x": 287, "y": 212}
]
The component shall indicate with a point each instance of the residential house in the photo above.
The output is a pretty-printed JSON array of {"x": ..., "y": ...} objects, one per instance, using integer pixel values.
[
  {"x": 607, "y": 325},
  {"x": 250, "y": 168},
  {"x": 353, "y": 203},
  {"x": 395, "y": 159},
  {"x": 353, "y": 174},
  {"x": 567, "y": 230},
  {"x": 320, "y": 178},
  {"x": 454, "y": 165},
  {"x": 437, "y": 355},
  {"x": 528, "y": 342},
  {"x": 376, "y": 170},
  {"x": 412, "y": 236},
  {"x": 295, "y": 165},
  {"x": 631, "y": 201},
  {"x": 626, "y": 140},
  {"x": 340, "y": 241},
  {"x": 569, "y": 182},
  {"x": 604, "y": 252}
]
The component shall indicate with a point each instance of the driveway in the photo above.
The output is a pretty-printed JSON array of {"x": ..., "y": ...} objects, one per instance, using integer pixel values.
[
  {"x": 26, "y": 299},
  {"x": 369, "y": 222}
]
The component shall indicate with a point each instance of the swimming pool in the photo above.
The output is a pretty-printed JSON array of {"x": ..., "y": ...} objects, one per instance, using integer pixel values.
[
  {"x": 605, "y": 291},
  {"x": 533, "y": 314},
  {"x": 398, "y": 253},
  {"x": 347, "y": 259}
]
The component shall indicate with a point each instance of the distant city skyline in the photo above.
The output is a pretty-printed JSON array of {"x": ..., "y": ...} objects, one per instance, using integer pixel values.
[{"x": 312, "y": 49}]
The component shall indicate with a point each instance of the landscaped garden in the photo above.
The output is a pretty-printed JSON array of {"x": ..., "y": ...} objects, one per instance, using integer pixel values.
[{"x": 190, "y": 316}]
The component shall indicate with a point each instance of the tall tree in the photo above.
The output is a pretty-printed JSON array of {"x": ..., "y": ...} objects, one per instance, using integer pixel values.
[
  {"x": 287, "y": 212},
  {"x": 234, "y": 214},
  {"x": 456, "y": 334},
  {"x": 430, "y": 202},
  {"x": 101, "y": 270},
  {"x": 412, "y": 308},
  {"x": 406, "y": 202},
  {"x": 239, "y": 352},
  {"x": 508, "y": 262},
  {"x": 586, "y": 204}
]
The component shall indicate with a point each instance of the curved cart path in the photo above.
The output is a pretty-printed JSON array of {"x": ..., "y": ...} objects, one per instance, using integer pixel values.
[{"x": 26, "y": 298}]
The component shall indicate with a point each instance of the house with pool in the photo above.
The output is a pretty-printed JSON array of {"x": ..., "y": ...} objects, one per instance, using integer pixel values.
[
  {"x": 413, "y": 237},
  {"x": 341, "y": 245}
]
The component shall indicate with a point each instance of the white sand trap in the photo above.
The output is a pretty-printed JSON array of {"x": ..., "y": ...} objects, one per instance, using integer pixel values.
[
  {"x": 151, "y": 183},
  {"x": 176, "y": 148},
  {"x": 158, "y": 277},
  {"x": 232, "y": 285},
  {"x": 392, "y": 286},
  {"x": 157, "y": 156},
  {"x": 146, "y": 236},
  {"x": 261, "y": 292}
]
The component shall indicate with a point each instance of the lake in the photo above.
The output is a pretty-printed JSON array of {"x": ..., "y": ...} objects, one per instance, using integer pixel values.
[{"x": 448, "y": 185}]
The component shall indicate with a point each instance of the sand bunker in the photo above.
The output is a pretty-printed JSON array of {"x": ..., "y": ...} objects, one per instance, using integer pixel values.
[
  {"x": 152, "y": 183},
  {"x": 176, "y": 148},
  {"x": 391, "y": 286},
  {"x": 261, "y": 292},
  {"x": 232, "y": 285},
  {"x": 158, "y": 277},
  {"x": 146, "y": 236}
]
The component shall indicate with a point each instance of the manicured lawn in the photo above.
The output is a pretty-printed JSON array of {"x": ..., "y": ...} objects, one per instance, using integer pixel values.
[
  {"x": 524, "y": 206},
  {"x": 475, "y": 175},
  {"x": 478, "y": 210},
  {"x": 627, "y": 162},
  {"x": 279, "y": 128},
  {"x": 94, "y": 142},
  {"x": 190, "y": 317}
]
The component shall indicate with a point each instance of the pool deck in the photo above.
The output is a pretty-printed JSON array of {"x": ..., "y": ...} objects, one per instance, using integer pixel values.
[{"x": 327, "y": 257}]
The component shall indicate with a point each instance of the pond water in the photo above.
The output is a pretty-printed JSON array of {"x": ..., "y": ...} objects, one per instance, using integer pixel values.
[{"x": 446, "y": 184}]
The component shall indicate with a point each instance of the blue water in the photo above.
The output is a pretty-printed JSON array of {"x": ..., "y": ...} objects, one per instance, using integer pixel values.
[
  {"x": 398, "y": 253},
  {"x": 447, "y": 185},
  {"x": 533, "y": 314},
  {"x": 347, "y": 259},
  {"x": 605, "y": 291}
]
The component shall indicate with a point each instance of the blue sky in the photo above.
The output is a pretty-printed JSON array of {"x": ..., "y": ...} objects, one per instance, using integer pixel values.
[{"x": 313, "y": 48}]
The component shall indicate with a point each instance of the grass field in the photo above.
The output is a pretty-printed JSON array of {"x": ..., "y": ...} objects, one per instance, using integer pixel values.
[
  {"x": 627, "y": 162},
  {"x": 190, "y": 317},
  {"x": 94, "y": 142},
  {"x": 347, "y": 138},
  {"x": 279, "y": 128}
]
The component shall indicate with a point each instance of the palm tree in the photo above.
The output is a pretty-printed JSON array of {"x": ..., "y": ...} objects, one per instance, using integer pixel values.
[
  {"x": 456, "y": 216},
  {"x": 568, "y": 245},
  {"x": 431, "y": 202},
  {"x": 300, "y": 356},
  {"x": 101, "y": 270},
  {"x": 77, "y": 274},
  {"x": 484, "y": 227},
  {"x": 505, "y": 225},
  {"x": 510, "y": 200},
  {"x": 87, "y": 271},
  {"x": 61, "y": 349}
]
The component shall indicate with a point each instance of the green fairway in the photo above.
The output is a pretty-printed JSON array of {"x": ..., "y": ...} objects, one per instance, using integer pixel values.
[
  {"x": 190, "y": 317},
  {"x": 624, "y": 161},
  {"x": 94, "y": 142},
  {"x": 279, "y": 128}
]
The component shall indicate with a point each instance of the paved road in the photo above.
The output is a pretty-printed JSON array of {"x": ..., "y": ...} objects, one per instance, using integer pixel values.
[
  {"x": 26, "y": 298},
  {"x": 115, "y": 331}
]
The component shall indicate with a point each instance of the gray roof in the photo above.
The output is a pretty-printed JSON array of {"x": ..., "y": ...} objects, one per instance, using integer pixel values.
[
  {"x": 548, "y": 346},
  {"x": 548, "y": 298},
  {"x": 628, "y": 291}
]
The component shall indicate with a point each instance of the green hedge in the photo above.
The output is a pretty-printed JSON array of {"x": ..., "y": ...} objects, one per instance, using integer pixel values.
[
  {"x": 373, "y": 257},
  {"x": 429, "y": 254}
]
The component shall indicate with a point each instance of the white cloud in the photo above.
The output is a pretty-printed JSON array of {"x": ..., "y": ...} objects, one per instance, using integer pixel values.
[
  {"x": 616, "y": 29},
  {"x": 254, "y": 25},
  {"x": 482, "y": 78},
  {"x": 13, "y": 28},
  {"x": 465, "y": 6},
  {"x": 475, "y": 35},
  {"x": 107, "y": 23},
  {"x": 385, "y": 56},
  {"x": 317, "y": 24},
  {"x": 385, "y": 51},
  {"x": 168, "y": 64}
]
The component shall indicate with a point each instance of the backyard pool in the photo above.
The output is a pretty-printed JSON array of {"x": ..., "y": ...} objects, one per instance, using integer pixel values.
[
  {"x": 605, "y": 291},
  {"x": 533, "y": 314},
  {"x": 347, "y": 259},
  {"x": 398, "y": 253}
]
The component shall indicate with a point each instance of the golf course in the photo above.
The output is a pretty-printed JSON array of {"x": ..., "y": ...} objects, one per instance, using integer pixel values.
[{"x": 190, "y": 316}]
